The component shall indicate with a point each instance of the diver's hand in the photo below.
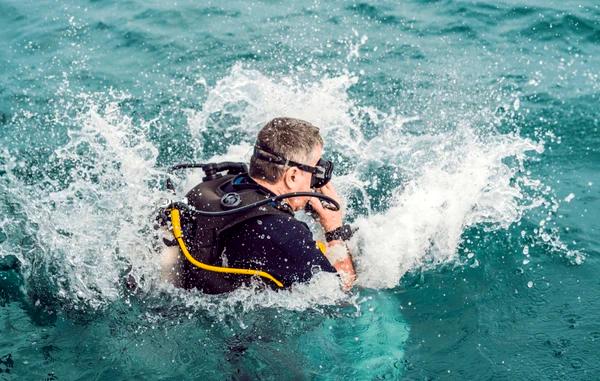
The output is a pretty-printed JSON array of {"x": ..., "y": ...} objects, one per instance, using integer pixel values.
[{"x": 328, "y": 218}]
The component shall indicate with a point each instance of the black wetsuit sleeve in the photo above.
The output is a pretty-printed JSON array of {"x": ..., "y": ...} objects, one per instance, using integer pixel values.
[
  {"x": 280, "y": 245},
  {"x": 299, "y": 253}
]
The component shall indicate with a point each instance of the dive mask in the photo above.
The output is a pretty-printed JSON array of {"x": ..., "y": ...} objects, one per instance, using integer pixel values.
[{"x": 321, "y": 173}]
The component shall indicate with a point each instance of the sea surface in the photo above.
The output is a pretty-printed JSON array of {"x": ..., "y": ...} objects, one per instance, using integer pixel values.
[{"x": 466, "y": 143}]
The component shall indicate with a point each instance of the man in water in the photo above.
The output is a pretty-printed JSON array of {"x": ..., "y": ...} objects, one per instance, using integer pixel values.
[{"x": 285, "y": 160}]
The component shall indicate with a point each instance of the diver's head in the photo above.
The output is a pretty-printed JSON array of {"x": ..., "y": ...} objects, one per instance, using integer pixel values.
[{"x": 287, "y": 158}]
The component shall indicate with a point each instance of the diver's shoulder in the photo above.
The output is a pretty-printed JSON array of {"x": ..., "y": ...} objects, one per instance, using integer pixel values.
[
  {"x": 283, "y": 221},
  {"x": 279, "y": 227}
]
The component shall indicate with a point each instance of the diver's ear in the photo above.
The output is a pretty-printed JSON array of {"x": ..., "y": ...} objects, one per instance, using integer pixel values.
[{"x": 290, "y": 177}]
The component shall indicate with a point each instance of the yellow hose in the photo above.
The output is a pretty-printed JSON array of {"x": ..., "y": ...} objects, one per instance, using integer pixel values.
[
  {"x": 322, "y": 246},
  {"x": 178, "y": 233}
]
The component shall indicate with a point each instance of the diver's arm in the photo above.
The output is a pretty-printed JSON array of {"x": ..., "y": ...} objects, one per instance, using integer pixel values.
[
  {"x": 339, "y": 257},
  {"x": 168, "y": 263},
  {"x": 338, "y": 254}
]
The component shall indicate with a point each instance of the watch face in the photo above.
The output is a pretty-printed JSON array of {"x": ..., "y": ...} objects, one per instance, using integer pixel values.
[{"x": 346, "y": 232}]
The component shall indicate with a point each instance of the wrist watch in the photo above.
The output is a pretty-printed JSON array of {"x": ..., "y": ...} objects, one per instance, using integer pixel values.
[{"x": 344, "y": 233}]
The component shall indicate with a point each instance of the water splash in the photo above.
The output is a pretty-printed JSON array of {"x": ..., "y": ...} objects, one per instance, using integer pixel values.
[
  {"x": 411, "y": 190},
  {"x": 468, "y": 184},
  {"x": 90, "y": 214}
]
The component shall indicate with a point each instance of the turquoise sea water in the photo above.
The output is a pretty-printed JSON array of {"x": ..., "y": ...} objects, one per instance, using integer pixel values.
[{"x": 466, "y": 140}]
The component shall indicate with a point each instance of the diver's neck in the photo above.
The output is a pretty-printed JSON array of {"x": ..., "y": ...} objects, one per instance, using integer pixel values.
[{"x": 276, "y": 188}]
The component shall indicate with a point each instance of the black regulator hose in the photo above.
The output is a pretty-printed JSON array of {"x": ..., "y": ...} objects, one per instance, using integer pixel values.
[{"x": 182, "y": 205}]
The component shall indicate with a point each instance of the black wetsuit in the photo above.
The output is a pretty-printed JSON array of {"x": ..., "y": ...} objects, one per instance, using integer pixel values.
[{"x": 278, "y": 244}]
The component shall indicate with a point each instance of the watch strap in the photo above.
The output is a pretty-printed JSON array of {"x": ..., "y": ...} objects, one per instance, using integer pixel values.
[{"x": 343, "y": 233}]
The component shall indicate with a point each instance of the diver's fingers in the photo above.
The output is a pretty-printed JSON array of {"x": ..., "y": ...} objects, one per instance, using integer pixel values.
[
  {"x": 316, "y": 204},
  {"x": 329, "y": 191},
  {"x": 328, "y": 187}
]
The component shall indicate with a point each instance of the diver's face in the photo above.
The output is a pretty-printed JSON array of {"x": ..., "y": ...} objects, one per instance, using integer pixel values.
[{"x": 298, "y": 180}]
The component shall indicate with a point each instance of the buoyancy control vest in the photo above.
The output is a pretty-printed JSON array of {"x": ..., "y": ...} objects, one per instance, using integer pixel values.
[{"x": 203, "y": 234}]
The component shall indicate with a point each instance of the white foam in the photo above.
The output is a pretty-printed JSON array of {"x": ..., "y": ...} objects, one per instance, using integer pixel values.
[
  {"x": 469, "y": 184},
  {"x": 254, "y": 98}
]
